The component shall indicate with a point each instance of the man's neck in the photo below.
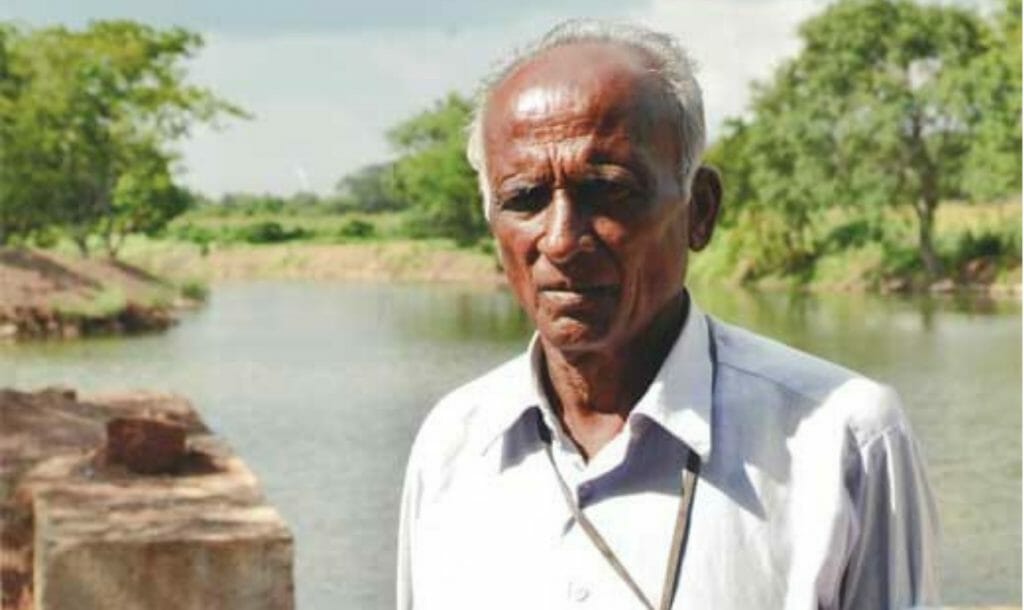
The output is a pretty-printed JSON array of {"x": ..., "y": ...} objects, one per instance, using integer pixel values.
[{"x": 594, "y": 392}]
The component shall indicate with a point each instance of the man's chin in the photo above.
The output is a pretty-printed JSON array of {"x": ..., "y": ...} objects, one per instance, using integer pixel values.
[{"x": 569, "y": 334}]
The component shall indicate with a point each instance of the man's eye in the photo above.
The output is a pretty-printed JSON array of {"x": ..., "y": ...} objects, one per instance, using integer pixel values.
[
  {"x": 598, "y": 191},
  {"x": 530, "y": 199}
]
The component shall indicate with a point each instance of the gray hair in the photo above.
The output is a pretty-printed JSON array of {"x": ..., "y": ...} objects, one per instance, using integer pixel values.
[{"x": 670, "y": 62}]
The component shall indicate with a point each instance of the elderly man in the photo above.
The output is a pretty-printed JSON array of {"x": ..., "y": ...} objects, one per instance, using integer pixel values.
[{"x": 641, "y": 453}]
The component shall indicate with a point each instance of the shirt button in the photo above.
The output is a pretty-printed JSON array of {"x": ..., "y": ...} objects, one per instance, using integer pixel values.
[
  {"x": 578, "y": 593},
  {"x": 585, "y": 491}
]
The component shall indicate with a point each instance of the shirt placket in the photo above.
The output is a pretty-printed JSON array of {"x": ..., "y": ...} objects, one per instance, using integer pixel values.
[{"x": 585, "y": 571}]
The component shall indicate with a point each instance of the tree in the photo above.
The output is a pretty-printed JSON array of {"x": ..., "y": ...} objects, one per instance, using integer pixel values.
[
  {"x": 872, "y": 112},
  {"x": 432, "y": 173},
  {"x": 991, "y": 93},
  {"x": 24, "y": 162},
  {"x": 144, "y": 200},
  {"x": 370, "y": 189},
  {"x": 729, "y": 155},
  {"x": 88, "y": 130}
]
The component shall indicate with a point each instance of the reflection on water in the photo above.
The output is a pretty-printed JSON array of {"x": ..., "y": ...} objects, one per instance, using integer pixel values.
[{"x": 321, "y": 387}]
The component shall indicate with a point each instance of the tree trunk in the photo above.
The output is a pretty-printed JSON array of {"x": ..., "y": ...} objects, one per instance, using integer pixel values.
[
  {"x": 82, "y": 241},
  {"x": 106, "y": 233},
  {"x": 925, "y": 222},
  {"x": 114, "y": 241}
]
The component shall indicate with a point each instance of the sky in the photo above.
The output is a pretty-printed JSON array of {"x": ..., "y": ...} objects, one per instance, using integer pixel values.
[{"x": 325, "y": 79}]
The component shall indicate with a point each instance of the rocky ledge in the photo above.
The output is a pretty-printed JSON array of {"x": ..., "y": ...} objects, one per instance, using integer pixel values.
[
  {"x": 44, "y": 294},
  {"x": 126, "y": 500},
  {"x": 44, "y": 322}
]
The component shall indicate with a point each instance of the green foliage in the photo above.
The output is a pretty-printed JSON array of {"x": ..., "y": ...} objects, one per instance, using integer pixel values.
[
  {"x": 731, "y": 156},
  {"x": 209, "y": 227},
  {"x": 248, "y": 204},
  {"x": 890, "y": 103},
  {"x": 986, "y": 244},
  {"x": 105, "y": 303},
  {"x": 357, "y": 228},
  {"x": 433, "y": 176},
  {"x": 991, "y": 92},
  {"x": 87, "y": 119},
  {"x": 370, "y": 189},
  {"x": 197, "y": 234},
  {"x": 195, "y": 289},
  {"x": 268, "y": 233}
]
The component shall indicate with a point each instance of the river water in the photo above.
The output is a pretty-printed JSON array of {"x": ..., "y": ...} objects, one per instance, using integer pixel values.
[{"x": 321, "y": 386}]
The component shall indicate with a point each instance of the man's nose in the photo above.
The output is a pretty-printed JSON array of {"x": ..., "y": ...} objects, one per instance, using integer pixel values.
[{"x": 567, "y": 230}]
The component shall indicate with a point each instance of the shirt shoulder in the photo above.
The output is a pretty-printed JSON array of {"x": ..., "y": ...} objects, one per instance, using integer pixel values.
[
  {"x": 806, "y": 386},
  {"x": 461, "y": 421}
]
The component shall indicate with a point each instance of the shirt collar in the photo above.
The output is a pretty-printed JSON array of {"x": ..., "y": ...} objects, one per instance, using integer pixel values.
[
  {"x": 519, "y": 392},
  {"x": 679, "y": 399}
]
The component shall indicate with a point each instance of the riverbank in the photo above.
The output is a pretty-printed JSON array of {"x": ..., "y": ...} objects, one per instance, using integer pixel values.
[
  {"x": 388, "y": 260},
  {"x": 442, "y": 261},
  {"x": 49, "y": 295},
  {"x": 978, "y": 245}
]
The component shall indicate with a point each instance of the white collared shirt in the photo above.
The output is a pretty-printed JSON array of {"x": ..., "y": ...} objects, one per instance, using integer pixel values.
[{"x": 812, "y": 493}]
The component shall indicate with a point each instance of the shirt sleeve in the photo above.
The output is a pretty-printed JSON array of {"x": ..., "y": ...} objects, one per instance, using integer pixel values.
[
  {"x": 893, "y": 562},
  {"x": 410, "y": 497}
]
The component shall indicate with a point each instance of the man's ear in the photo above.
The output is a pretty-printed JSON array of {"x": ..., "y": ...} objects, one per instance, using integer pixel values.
[{"x": 705, "y": 200}]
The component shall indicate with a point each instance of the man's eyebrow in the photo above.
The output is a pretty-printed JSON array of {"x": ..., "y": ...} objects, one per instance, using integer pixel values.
[
  {"x": 519, "y": 181},
  {"x": 613, "y": 172},
  {"x": 625, "y": 173}
]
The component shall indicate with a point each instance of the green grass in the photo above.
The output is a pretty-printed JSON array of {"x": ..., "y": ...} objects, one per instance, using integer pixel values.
[
  {"x": 195, "y": 289},
  {"x": 108, "y": 302},
  {"x": 849, "y": 252},
  {"x": 320, "y": 228},
  {"x": 842, "y": 251}
]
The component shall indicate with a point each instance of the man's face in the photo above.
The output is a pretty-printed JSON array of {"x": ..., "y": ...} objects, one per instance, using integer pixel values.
[{"x": 587, "y": 205}]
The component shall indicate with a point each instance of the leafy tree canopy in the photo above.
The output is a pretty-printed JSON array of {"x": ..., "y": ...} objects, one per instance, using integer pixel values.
[
  {"x": 433, "y": 176},
  {"x": 87, "y": 120},
  {"x": 890, "y": 102}
]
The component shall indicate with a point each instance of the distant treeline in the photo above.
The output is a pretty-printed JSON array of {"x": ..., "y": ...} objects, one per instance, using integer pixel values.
[{"x": 429, "y": 182}]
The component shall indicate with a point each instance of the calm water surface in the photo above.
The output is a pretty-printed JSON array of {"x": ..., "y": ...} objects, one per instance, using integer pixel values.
[{"x": 321, "y": 387}]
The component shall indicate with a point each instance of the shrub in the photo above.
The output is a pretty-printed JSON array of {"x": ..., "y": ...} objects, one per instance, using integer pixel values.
[
  {"x": 992, "y": 244},
  {"x": 851, "y": 234},
  {"x": 201, "y": 236},
  {"x": 268, "y": 233},
  {"x": 195, "y": 289},
  {"x": 985, "y": 245},
  {"x": 357, "y": 228}
]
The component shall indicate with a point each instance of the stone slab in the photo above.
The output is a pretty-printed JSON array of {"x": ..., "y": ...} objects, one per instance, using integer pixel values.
[{"x": 81, "y": 531}]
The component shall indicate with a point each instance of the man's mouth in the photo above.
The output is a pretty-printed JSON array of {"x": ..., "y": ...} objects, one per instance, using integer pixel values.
[
  {"x": 571, "y": 297},
  {"x": 591, "y": 290}
]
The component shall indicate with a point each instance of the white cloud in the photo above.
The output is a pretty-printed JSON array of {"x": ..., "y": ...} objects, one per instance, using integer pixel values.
[
  {"x": 734, "y": 43},
  {"x": 324, "y": 101}
]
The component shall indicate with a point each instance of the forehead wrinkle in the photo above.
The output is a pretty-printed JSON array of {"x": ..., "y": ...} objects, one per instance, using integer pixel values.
[
  {"x": 548, "y": 154},
  {"x": 562, "y": 136},
  {"x": 545, "y": 117}
]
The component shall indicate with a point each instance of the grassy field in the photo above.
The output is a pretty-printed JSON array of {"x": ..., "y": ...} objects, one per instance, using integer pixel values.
[
  {"x": 980, "y": 247},
  {"x": 394, "y": 259},
  {"x": 204, "y": 226}
]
